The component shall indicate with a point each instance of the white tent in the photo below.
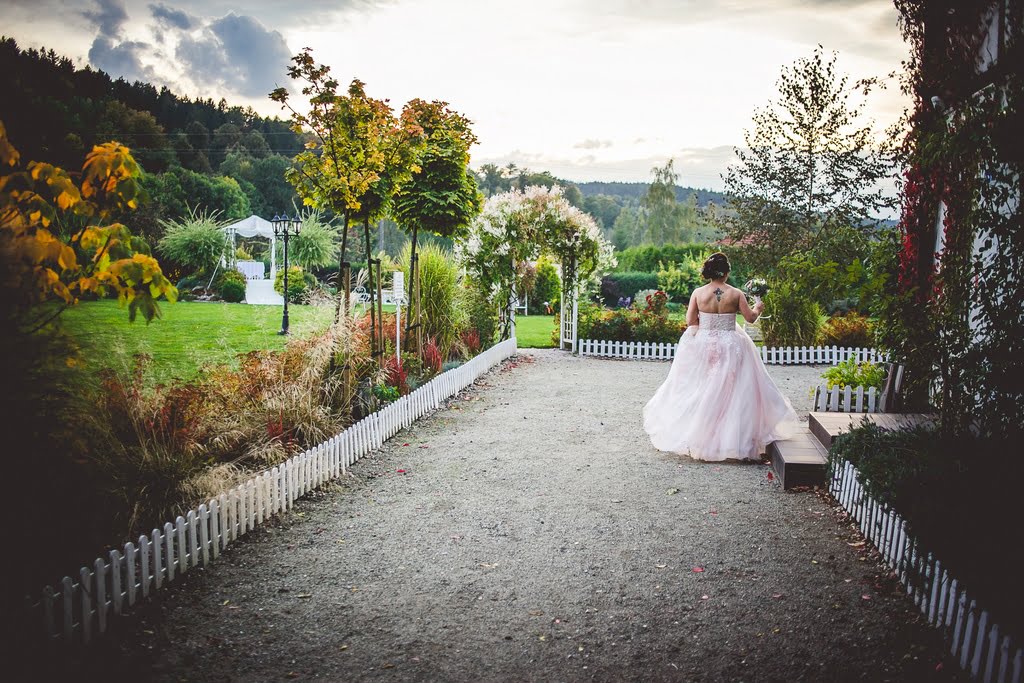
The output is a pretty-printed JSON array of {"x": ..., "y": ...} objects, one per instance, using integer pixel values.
[{"x": 254, "y": 226}]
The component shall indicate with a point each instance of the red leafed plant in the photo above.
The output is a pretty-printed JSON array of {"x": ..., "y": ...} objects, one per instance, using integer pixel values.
[
  {"x": 471, "y": 338},
  {"x": 395, "y": 374},
  {"x": 432, "y": 359}
]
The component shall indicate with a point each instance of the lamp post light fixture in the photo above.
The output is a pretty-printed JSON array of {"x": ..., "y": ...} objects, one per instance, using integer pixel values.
[{"x": 285, "y": 227}]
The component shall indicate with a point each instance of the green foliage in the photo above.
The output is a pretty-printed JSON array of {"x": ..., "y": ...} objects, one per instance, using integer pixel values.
[
  {"x": 232, "y": 286},
  {"x": 547, "y": 286},
  {"x": 626, "y": 324},
  {"x": 626, "y": 284},
  {"x": 317, "y": 243},
  {"x": 850, "y": 373},
  {"x": 959, "y": 495},
  {"x": 792, "y": 319},
  {"x": 851, "y": 330},
  {"x": 809, "y": 172},
  {"x": 439, "y": 286},
  {"x": 299, "y": 283},
  {"x": 385, "y": 393},
  {"x": 648, "y": 258},
  {"x": 481, "y": 314},
  {"x": 441, "y": 197},
  {"x": 196, "y": 242},
  {"x": 679, "y": 281}
]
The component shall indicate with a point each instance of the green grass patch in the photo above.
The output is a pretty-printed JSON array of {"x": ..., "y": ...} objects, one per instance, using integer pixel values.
[
  {"x": 188, "y": 336},
  {"x": 534, "y": 331}
]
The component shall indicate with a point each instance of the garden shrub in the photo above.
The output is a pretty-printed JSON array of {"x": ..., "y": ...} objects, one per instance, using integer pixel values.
[
  {"x": 627, "y": 325},
  {"x": 792, "y": 319},
  {"x": 548, "y": 287},
  {"x": 850, "y": 373},
  {"x": 679, "y": 280},
  {"x": 196, "y": 241},
  {"x": 439, "y": 287},
  {"x": 481, "y": 316},
  {"x": 231, "y": 286},
  {"x": 648, "y": 258},
  {"x": 851, "y": 330},
  {"x": 656, "y": 303},
  {"x": 626, "y": 284},
  {"x": 956, "y": 494},
  {"x": 299, "y": 282}
]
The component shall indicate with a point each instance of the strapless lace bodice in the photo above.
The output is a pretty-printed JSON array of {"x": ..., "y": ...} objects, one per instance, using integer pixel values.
[{"x": 718, "y": 321}]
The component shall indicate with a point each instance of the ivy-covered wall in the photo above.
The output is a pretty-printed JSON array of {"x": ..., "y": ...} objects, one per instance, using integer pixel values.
[{"x": 955, "y": 310}]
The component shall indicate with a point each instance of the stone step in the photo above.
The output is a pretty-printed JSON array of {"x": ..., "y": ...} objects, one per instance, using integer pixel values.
[{"x": 799, "y": 461}]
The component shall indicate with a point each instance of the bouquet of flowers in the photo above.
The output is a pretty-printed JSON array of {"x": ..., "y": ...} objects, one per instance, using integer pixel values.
[{"x": 756, "y": 287}]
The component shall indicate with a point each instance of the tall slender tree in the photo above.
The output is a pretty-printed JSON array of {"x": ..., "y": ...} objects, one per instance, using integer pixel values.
[
  {"x": 811, "y": 168},
  {"x": 344, "y": 152},
  {"x": 441, "y": 196}
]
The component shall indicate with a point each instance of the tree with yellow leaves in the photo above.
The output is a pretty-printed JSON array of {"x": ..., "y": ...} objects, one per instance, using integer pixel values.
[{"x": 59, "y": 240}]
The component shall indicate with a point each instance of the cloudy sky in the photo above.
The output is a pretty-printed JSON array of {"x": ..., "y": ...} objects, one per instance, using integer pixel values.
[{"x": 587, "y": 89}]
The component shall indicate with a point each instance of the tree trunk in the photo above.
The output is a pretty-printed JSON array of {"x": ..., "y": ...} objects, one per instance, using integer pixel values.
[
  {"x": 372, "y": 289},
  {"x": 412, "y": 320},
  {"x": 344, "y": 275}
]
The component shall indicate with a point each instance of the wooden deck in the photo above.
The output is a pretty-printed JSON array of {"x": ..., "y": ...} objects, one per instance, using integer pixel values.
[{"x": 801, "y": 460}]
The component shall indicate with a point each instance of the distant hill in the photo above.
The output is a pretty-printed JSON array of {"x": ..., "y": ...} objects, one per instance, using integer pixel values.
[{"x": 634, "y": 191}]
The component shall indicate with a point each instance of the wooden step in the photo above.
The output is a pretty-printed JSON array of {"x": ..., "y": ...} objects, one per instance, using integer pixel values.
[
  {"x": 827, "y": 426},
  {"x": 798, "y": 461}
]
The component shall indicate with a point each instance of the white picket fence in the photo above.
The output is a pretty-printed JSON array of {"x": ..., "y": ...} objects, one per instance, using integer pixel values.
[
  {"x": 981, "y": 647},
  {"x": 846, "y": 399},
  {"x": 789, "y": 355},
  {"x": 79, "y": 610}
]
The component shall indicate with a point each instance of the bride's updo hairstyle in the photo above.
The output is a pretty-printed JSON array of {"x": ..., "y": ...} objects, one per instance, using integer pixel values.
[{"x": 715, "y": 267}]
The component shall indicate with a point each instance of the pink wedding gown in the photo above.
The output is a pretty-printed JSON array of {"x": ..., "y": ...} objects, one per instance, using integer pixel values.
[{"x": 718, "y": 401}]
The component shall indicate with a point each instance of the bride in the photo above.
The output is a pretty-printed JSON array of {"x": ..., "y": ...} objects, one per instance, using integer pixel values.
[{"x": 718, "y": 402}]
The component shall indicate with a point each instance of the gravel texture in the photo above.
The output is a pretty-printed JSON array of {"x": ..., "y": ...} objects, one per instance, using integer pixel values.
[{"x": 528, "y": 531}]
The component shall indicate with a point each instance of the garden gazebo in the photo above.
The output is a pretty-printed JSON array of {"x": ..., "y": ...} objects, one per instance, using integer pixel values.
[{"x": 254, "y": 226}]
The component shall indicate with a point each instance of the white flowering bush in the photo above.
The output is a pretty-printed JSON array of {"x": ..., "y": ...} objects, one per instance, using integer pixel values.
[{"x": 518, "y": 226}]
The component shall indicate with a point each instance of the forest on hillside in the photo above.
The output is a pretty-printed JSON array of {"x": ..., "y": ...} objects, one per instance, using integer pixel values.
[{"x": 198, "y": 154}]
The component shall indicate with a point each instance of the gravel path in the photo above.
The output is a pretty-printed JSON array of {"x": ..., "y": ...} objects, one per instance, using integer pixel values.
[{"x": 535, "y": 535}]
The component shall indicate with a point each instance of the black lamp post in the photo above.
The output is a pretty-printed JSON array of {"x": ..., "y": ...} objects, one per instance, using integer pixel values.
[{"x": 285, "y": 227}]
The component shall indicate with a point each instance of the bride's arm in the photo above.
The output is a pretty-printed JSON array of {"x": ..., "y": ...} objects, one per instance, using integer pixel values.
[
  {"x": 750, "y": 314},
  {"x": 692, "y": 314}
]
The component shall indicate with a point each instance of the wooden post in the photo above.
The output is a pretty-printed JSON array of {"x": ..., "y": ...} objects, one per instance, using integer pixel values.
[{"x": 380, "y": 312}]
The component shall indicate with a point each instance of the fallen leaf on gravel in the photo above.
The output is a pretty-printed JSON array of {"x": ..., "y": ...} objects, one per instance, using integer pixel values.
[
  {"x": 486, "y": 565},
  {"x": 400, "y": 471},
  {"x": 423, "y": 446},
  {"x": 660, "y": 566},
  {"x": 770, "y": 476},
  {"x": 225, "y": 602},
  {"x": 865, "y": 597},
  {"x": 387, "y": 665},
  {"x": 698, "y": 570},
  {"x": 858, "y": 544},
  {"x": 776, "y": 596},
  {"x": 405, "y": 444},
  {"x": 542, "y": 637},
  {"x": 343, "y": 647},
  {"x": 305, "y": 595},
  {"x": 291, "y": 674},
  {"x": 616, "y": 500},
  {"x": 704, "y": 597},
  {"x": 814, "y": 562},
  {"x": 536, "y": 613},
  {"x": 847, "y": 580},
  {"x": 712, "y": 512},
  {"x": 671, "y": 492}
]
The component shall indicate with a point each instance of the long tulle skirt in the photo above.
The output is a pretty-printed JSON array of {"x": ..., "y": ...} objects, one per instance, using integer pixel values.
[{"x": 718, "y": 402}]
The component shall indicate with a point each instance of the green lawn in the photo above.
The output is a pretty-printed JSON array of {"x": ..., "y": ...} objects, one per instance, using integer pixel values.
[
  {"x": 188, "y": 336},
  {"x": 534, "y": 331}
]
